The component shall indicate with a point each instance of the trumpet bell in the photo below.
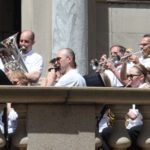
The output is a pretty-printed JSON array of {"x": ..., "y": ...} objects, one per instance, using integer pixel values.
[
  {"x": 94, "y": 64},
  {"x": 10, "y": 42}
]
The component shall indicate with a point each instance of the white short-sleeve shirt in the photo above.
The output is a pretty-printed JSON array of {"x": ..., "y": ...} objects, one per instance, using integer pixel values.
[
  {"x": 33, "y": 61},
  {"x": 145, "y": 62},
  {"x": 113, "y": 79},
  {"x": 70, "y": 79}
]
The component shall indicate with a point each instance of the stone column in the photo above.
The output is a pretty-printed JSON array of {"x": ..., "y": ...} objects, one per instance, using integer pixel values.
[
  {"x": 70, "y": 29},
  {"x": 37, "y": 16}
]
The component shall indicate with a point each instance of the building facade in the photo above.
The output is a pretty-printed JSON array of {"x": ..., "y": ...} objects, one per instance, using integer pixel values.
[{"x": 89, "y": 27}]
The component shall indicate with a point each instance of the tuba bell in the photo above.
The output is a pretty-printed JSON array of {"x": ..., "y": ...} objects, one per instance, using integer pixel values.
[{"x": 11, "y": 55}]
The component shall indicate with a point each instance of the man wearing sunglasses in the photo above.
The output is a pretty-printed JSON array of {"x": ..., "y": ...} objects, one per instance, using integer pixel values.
[{"x": 67, "y": 68}]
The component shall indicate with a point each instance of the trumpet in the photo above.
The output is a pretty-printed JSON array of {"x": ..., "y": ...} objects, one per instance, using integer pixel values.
[
  {"x": 131, "y": 53},
  {"x": 94, "y": 64},
  {"x": 101, "y": 65}
]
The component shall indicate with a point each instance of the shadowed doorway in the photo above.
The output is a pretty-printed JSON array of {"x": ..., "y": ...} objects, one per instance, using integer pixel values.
[{"x": 10, "y": 18}]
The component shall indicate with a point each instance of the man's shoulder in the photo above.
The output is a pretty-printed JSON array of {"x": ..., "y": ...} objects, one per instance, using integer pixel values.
[
  {"x": 35, "y": 55},
  {"x": 73, "y": 72},
  {"x": 145, "y": 62},
  {"x": 144, "y": 59},
  {"x": 74, "y": 75},
  {"x": 72, "y": 78}
]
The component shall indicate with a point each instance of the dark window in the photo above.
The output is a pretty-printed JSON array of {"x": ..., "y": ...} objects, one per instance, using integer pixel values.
[{"x": 10, "y": 18}]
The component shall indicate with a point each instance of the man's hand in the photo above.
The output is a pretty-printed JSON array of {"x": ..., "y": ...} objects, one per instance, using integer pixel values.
[
  {"x": 51, "y": 77},
  {"x": 134, "y": 59},
  {"x": 132, "y": 114}
]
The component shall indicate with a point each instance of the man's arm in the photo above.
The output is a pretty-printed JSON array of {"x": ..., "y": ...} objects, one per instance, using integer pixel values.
[
  {"x": 51, "y": 78},
  {"x": 33, "y": 76}
]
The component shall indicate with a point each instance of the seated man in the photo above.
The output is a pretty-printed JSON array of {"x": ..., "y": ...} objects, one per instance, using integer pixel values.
[{"x": 67, "y": 68}]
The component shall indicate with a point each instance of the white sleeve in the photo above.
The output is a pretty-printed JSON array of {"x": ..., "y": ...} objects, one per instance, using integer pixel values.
[
  {"x": 12, "y": 115},
  {"x": 113, "y": 79}
]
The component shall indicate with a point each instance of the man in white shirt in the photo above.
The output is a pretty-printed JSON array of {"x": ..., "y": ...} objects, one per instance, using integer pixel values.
[
  {"x": 145, "y": 50},
  {"x": 32, "y": 60},
  {"x": 69, "y": 74}
]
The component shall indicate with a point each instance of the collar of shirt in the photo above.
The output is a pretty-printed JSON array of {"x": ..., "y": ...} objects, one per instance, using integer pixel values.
[{"x": 27, "y": 54}]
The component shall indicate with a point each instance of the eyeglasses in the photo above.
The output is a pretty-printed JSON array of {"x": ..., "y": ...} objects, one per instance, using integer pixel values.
[{"x": 132, "y": 75}]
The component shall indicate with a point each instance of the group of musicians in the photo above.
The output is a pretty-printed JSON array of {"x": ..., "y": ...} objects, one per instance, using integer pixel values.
[
  {"x": 123, "y": 68},
  {"x": 131, "y": 69}
]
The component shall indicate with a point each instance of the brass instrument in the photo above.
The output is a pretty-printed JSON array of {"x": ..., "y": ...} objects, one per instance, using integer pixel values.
[
  {"x": 131, "y": 53},
  {"x": 94, "y": 64},
  {"x": 100, "y": 65},
  {"x": 111, "y": 117},
  {"x": 11, "y": 54}
]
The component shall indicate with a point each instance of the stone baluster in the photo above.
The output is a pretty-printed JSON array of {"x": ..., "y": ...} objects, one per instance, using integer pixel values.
[
  {"x": 119, "y": 139},
  {"x": 144, "y": 138}
]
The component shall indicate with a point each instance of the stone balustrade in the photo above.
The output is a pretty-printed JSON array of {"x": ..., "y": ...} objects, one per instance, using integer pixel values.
[{"x": 64, "y": 118}]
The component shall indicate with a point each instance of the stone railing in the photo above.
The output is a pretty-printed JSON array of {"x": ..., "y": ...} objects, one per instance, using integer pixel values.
[{"x": 64, "y": 118}]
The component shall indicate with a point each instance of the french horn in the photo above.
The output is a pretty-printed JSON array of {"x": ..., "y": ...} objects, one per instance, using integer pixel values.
[{"x": 11, "y": 55}]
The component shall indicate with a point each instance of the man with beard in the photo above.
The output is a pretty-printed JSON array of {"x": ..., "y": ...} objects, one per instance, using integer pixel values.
[{"x": 69, "y": 76}]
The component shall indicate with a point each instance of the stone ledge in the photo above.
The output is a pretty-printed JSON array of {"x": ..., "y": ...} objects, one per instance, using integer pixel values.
[{"x": 86, "y": 95}]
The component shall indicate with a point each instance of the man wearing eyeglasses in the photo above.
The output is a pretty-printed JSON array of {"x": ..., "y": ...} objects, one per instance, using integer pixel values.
[{"x": 144, "y": 59}]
